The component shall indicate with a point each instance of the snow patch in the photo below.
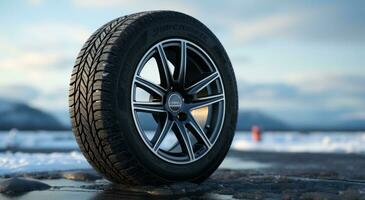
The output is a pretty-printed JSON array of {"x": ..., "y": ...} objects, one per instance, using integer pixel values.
[
  {"x": 50, "y": 140},
  {"x": 316, "y": 142},
  {"x": 345, "y": 142},
  {"x": 39, "y": 162}
]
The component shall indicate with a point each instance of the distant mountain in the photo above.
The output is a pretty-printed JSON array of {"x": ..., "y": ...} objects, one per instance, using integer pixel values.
[
  {"x": 23, "y": 117},
  {"x": 248, "y": 118},
  {"x": 342, "y": 125},
  {"x": 355, "y": 124}
]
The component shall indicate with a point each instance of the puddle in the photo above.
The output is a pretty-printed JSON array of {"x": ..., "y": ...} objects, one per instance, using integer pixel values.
[
  {"x": 236, "y": 163},
  {"x": 50, "y": 194},
  {"x": 66, "y": 183}
]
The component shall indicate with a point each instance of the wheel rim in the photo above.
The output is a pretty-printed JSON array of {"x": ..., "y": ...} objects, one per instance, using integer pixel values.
[{"x": 186, "y": 101}]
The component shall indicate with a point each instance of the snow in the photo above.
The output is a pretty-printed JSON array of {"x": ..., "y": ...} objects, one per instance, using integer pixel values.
[
  {"x": 31, "y": 140},
  {"x": 340, "y": 142},
  {"x": 39, "y": 162},
  {"x": 71, "y": 158},
  {"x": 24, "y": 141},
  {"x": 316, "y": 142}
]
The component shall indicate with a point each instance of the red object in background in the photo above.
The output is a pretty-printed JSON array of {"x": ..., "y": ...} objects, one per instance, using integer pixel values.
[{"x": 256, "y": 133}]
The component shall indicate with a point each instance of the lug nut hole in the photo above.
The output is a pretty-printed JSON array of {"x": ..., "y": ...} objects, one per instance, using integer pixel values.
[{"x": 182, "y": 116}]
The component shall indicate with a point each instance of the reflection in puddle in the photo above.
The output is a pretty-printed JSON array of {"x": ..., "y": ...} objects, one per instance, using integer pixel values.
[{"x": 236, "y": 163}]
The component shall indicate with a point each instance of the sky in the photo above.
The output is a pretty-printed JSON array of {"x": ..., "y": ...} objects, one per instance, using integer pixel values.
[{"x": 300, "y": 61}]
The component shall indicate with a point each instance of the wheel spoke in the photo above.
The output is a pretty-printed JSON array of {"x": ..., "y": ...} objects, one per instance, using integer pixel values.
[
  {"x": 163, "y": 67},
  {"x": 150, "y": 87},
  {"x": 161, "y": 133},
  {"x": 199, "y": 132},
  {"x": 185, "y": 139},
  {"x": 150, "y": 107},
  {"x": 205, "y": 101},
  {"x": 198, "y": 86},
  {"x": 182, "y": 68}
]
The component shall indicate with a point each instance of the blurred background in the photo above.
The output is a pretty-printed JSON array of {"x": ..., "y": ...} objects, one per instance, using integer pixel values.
[{"x": 299, "y": 67}]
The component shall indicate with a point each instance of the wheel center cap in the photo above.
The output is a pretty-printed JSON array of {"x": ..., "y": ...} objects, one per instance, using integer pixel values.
[{"x": 174, "y": 102}]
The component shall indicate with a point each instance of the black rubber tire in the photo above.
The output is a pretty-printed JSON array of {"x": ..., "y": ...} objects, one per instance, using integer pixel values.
[{"x": 99, "y": 98}]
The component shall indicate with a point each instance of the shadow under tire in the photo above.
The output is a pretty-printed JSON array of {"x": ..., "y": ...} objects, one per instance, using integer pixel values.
[{"x": 191, "y": 105}]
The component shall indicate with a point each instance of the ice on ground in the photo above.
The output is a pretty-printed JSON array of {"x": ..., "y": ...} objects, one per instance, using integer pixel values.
[
  {"x": 316, "y": 142},
  {"x": 12, "y": 163},
  {"x": 40, "y": 162}
]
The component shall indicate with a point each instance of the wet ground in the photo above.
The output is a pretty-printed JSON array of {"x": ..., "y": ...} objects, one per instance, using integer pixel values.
[{"x": 243, "y": 175}]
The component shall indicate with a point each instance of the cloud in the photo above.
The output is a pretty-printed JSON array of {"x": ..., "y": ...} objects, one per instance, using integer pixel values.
[
  {"x": 336, "y": 22},
  {"x": 32, "y": 61},
  {"x": 325, "y": 99},
  {"x": 261, "y": 28},
  {"x": 22, "y": 93},
  {"x": 101, "y": 4},
  {"x": 328, "y": 91},
  {"x": 137, "y": 5},
  {"x": 46, "y": 45},
  {"x": 339, "y": 22},
  {"x": 360, "y": 115},
  {"x": 56, "y": 33},
  {"x": 42, "y": 61},
  {"x": 35, "y": 2},
  {"x": 268, "y": 96},
  {"x": 242, "y": 22},
  {"x": 6, "y": 46},
  {"x": 333, "y": 83}
]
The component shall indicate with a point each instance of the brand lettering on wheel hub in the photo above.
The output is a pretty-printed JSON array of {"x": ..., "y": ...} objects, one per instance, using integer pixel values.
[{"x": 175, "y": 102}]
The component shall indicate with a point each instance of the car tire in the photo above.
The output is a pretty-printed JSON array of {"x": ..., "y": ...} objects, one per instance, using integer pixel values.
[{"x": 108, "y": 121}]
